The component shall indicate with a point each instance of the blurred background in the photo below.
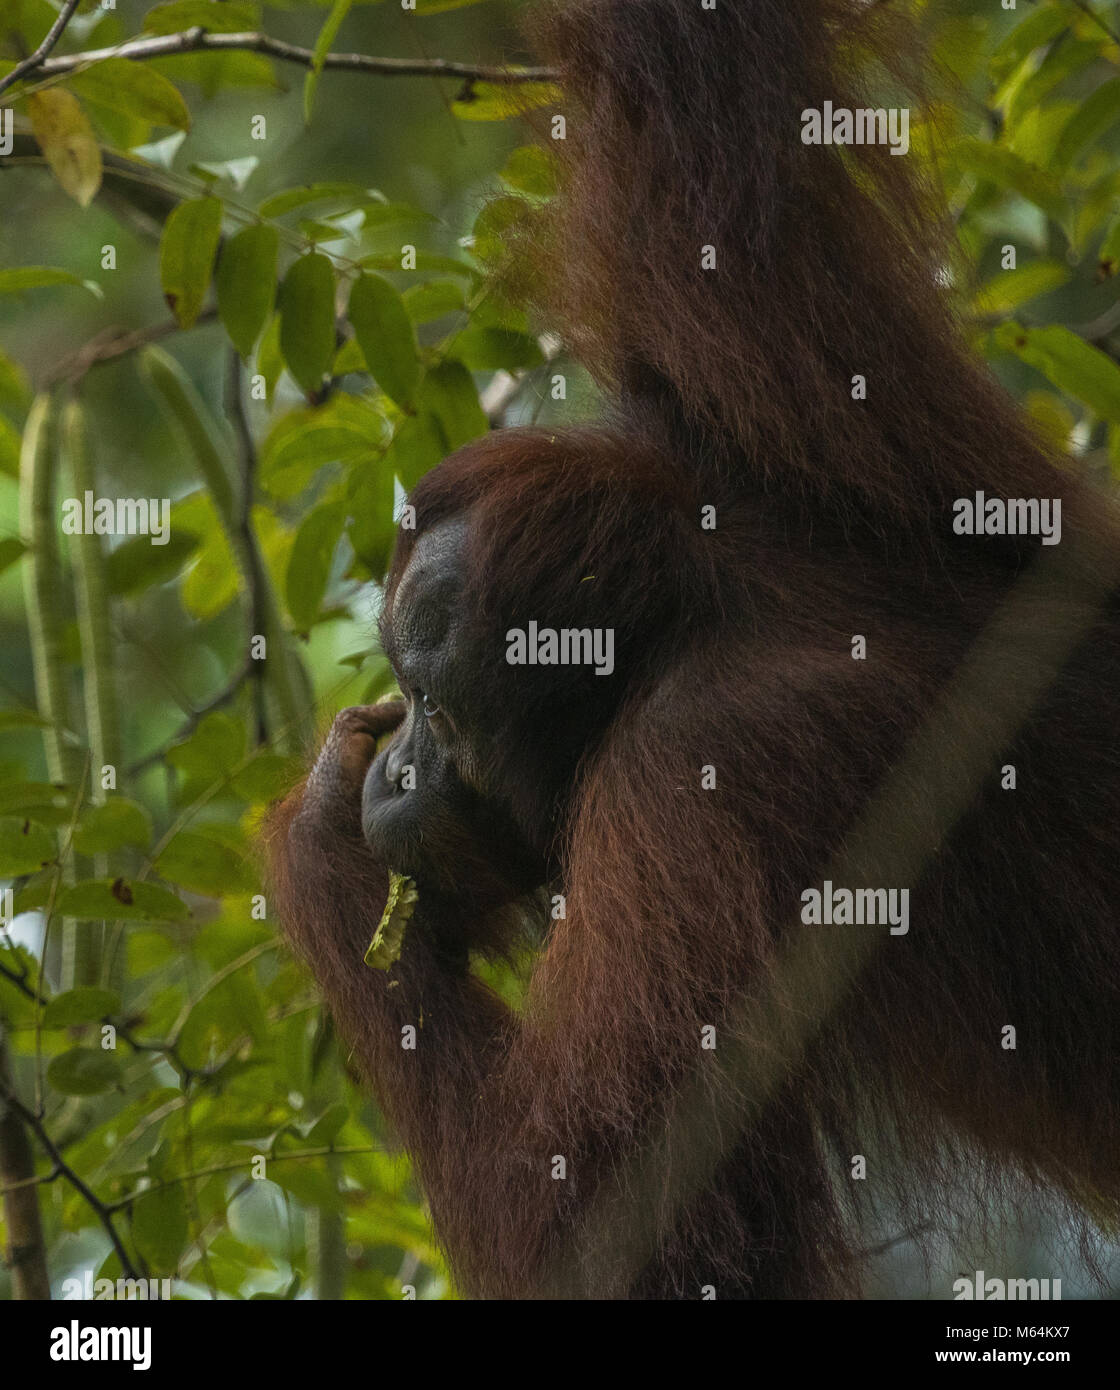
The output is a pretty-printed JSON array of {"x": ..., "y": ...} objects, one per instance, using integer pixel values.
[{"x": 258, "y": 290}]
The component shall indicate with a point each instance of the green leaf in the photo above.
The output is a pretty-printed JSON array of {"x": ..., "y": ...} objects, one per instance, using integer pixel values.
[
  {"x": 64, "y": 134},
  {"x": 246, "y": 284},
  {"x": 346, "y": 360},
  {"x": 105, "y": 829},
  {"x": 105, "y": 900},
  {"x": 1011, "y": 288},
  {"x": 137, "y": 564},
  {"x": 84, "y": 1071},
  {"x": 327, "y": 34},
  {"x": 381, "y": 214},
  {"x": 1108, "y": 258},
  {"x": 291, "y": 198},
  {"x": 180, "y": 15},
  {"x": 214, "y": 72},
  {"x": 1038, "y": 28},
  {"x": 214, "y": 580},
  {"x": 1094, "y": 211},
  {"x": 270, "y": 360},
  {"x": 87, "y": 1004},
  {"x": 10, "y": 448},
  {"x": 15, "y": 389},
  {"x": 531, "y": 169},
  {"x": 203, "y": 864},
  {"x": 11, "y": 549},
  {"x": 492, "y": 349},
  {"x": 267, "y": 777},
  {"x": 34, "y": 277},
  {"x": 37, "y": 801},
  {"x": 1010, "y": 172},
  {"x": 1052, "y": 416},
  {"x": 133, "y": 89},
  {"x": 425, "y": 260},
  {"x": 418, "y": 445},
  {"x": 385, "y": 333},
  {"x": 24, "y": 847},
  {"x": 328, "y": 1126},
  {"x": 310, "y": 1186},
  {"x": 159, "y": 1228},
  {"x": 309, "y": 567},
  {"x": 1096, "y": 115},
  {"x": 488, "y": 101},
  {"x": 346, "y": 429},
  {"x": 215, "y": 747},
  {"x": 1072, "y": 364},
  {"x": 1060, "y": 63},
  {"x": 433, "y": 300},
  {"x": 1034, "y": 138},
  {"x": 22, "y": 719},
  {"x": 449, "y": 393},
  {"x": 494, "y": 225},
  {"x": 186, "y": 256},
  {"x": 307, "y": 332},
  {"x": 372, "y": 529}
]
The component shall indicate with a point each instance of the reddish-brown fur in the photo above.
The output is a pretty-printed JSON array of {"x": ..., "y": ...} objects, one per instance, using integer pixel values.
[{"x": 733, "y": 388}]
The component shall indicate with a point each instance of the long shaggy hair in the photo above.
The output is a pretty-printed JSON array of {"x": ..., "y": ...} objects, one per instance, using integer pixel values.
[{"x": 689, "y": 1166}]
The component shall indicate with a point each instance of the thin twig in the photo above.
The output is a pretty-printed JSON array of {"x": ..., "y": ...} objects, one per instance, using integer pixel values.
[
  {"x": 238, "y": 1164},
  {"x": 244, "y": 959},
  {"x": 20, "y": 982},
  {"x": 194, "y": 718},
  {"x": 197, "y": 40},
  {"x": 1087, "y": 10},
  {"x": 114, "y": 343},
  {"x": 123, "y": 1031},
  {"x": 103, "y": 1212},
  {"x": 36, "y": 1180},
  {"x": 37, "y": 59}
]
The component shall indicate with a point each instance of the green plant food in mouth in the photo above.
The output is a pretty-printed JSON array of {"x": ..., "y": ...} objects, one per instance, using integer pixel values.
[{"x": 385, "y": 948}]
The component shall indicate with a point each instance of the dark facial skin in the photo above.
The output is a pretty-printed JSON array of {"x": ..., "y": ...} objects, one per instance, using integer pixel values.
[{"x": 445, "y": 822}]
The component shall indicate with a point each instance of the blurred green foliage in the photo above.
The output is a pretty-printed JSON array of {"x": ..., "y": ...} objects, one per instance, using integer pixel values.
[{"x": 321, "y": 239}]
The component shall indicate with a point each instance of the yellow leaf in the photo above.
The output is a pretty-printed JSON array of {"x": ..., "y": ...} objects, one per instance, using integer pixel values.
[{"x": 66, "y": 138}]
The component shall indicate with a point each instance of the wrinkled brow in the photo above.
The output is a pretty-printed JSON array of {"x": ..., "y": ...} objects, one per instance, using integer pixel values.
[{"x": 385, "y": 634}]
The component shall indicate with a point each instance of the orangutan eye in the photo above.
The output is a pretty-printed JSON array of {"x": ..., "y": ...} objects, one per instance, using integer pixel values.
[{"x": 428, "y": 705}]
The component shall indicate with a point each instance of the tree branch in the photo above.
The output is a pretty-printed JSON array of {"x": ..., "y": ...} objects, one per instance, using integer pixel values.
[
  {"x": 26, "y": 1254},
  {"x": 104, "y": 1213},
  {"x": 194, "y": 718},
  {"x": 36, "y": 60},
  {"x": 197, "y": 40},
  {"x": 114, "y": 343}
]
